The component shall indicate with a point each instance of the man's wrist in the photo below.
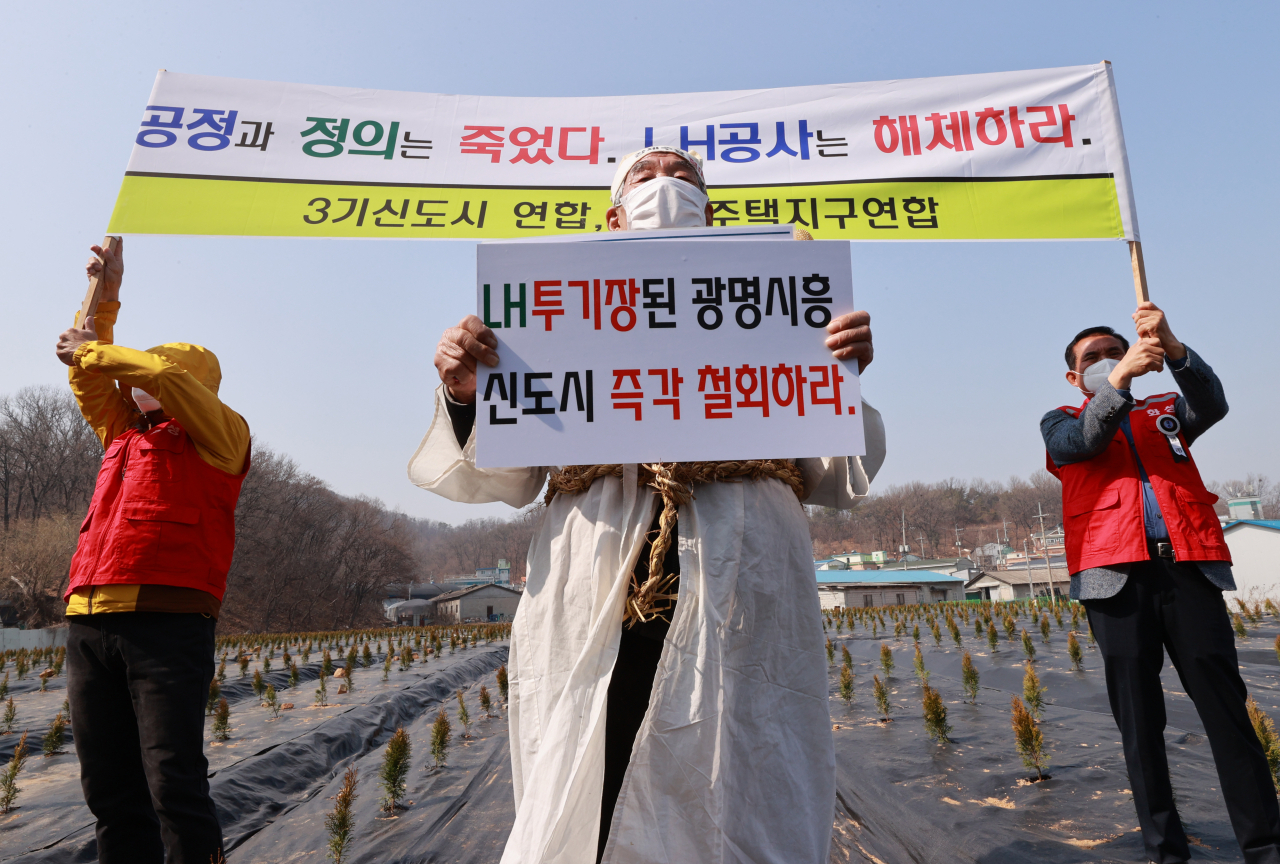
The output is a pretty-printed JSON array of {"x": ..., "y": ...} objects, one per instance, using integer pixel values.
[{"x": 1175, "y": 351}]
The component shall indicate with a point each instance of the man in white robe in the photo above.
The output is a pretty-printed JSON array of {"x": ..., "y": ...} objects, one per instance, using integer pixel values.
[{"x": 730, "y": 750}]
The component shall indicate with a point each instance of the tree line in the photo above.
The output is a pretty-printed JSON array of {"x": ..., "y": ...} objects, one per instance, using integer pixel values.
[{"x": 308, "y": 558}]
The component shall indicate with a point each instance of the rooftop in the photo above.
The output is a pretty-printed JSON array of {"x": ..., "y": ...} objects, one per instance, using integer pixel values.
[
  {"x": 1274, "y": 524},
  {"x": 883, "y": 577},
  {"x": 454, "y": 595}
]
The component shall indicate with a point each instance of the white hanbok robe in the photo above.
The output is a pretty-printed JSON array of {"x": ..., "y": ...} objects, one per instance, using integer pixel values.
[{"x": 734, "y": 760}]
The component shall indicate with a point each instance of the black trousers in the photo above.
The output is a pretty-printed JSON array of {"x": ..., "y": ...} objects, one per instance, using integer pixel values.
[
  {"x": 138, "y": 683},
  {"x": 1165, "y": 606},
  {"x": 632, "y": 683}
]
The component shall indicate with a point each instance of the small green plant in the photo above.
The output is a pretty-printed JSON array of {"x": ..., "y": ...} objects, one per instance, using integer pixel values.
[
  {"x": 1032, "y": 692},
  {"x": 56, "y": 737},
  {"x": 969, "y": 677},
  {"x": 273, "y": 702},
  {"x": 955, "y": 631},
  {"x": 1028, "y": 647},
  {"x": 1027, "y": 738},
  {"x": 10, "y": 715},
  {"x": 326, "y": 664},
  {"x": 215, "y": 693},
  {"x": 846, "y": 684},
  {"x": 502, "y": 682},
  {"x": 395, "y": 768},
  {"x": 20, "y": 666},
  {"x": 293, "y": 674},
  {"x": 440, "y": 732},
  {"x": 1265, "y": 729},
  {"x": 935, "y": 715},
  {"x": 937, "y": 634},
  {"x": 846, "y": 659},
  {"x": 258, "y": 686},
  {"x": 897, "y": 628},
  {"x": 882, "y": 698},
  {"x": 486, "y": 702},
  {"x": 831, "y": 653},
  {"x": 244, "y": 665},
  {"x": 886, "y": 660},
  {"x": 1044, "y": 627},
  {"x": 406, "y": 658},
  {"x": 386, "y": 665},
  {"x": 915, "y": 632},
  {"x": 222, "y": 721},
  {"x": 1010, "y": 627},
  {"x": 918, "y": 663},
  {"x": 993, "y": 638},
  {"x": 1277, "y": 647},
  {"x": 1238, "y": 626},
  {"x": 366, "y": 657},
  {"x": 9, "y": 789},
  {"x": 4, "y": 685},
  {"x": 464, "y": 716},
  {"x": 266, "y": 663},
  {"x": 44, "y": 683},
  {"x": 1073, "y": 650},
  {"x": 340, "y": 822},
  {"x": 222, "y": 670},
  {"x": 322, "y": 692}
]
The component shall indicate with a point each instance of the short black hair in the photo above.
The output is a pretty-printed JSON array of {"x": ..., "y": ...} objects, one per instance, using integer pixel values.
[{"x": 1091, "y": 331}]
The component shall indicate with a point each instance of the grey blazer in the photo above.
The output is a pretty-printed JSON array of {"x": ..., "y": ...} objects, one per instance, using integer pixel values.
[{"x": 1070, "y": 439}]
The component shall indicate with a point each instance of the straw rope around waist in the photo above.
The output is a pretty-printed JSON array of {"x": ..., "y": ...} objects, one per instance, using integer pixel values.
[{"x": 673, "y": 481}]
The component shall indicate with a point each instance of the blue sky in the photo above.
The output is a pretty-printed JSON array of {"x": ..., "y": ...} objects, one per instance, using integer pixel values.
[{"x": 326, "y": 345}]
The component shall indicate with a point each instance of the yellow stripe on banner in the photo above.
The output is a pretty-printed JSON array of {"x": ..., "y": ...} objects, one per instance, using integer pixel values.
[{"x": 1025, "y": 209}]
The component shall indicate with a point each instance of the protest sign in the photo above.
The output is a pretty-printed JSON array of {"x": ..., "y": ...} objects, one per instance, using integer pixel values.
[
  {"x": 664, "y": 350},
  {"x": 1001, "y": 156}
]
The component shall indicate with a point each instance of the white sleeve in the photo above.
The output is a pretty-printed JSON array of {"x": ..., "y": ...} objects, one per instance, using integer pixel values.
[
  {"x": 839, "y": 481},
  {"x": 442, "y": 467}
]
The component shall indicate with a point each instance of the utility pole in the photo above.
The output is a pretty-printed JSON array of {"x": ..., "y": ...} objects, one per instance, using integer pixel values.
[
  {"x": 1004, "y": 523},
  {"x": 904, "y": 548},
  {"x": 1044, "y": 540},
  {"x": 1031, "y": 585},
  {"x": 920, "y": 537}
]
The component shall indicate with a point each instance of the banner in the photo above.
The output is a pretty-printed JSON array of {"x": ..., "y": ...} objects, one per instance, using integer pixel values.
[
  {"x": 1001, "y": 156},
  {"x": 664, "y": 350}
]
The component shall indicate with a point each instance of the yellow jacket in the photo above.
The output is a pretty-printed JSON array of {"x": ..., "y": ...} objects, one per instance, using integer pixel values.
[{"x": 185, "y": 379}]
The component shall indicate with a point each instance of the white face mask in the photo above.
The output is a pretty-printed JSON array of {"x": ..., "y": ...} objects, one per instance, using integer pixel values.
[
  {"x": 146, "y": 402},
  {"x": 1094, "y": 376},
  {"x": 665, "y": 202}
]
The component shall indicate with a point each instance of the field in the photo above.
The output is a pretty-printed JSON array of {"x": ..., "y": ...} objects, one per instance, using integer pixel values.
[{"x": 902, "y": 796}]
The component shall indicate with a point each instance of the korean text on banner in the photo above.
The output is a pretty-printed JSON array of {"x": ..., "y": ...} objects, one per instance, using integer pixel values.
[
  {"x": 998, "y": 156},
  {"x": 666, "y": 350}
]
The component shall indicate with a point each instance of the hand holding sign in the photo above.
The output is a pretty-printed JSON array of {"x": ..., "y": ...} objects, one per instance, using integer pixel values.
[{"x": 458, "y": 352}]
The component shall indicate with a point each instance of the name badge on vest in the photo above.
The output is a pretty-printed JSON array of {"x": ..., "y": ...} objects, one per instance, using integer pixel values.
[{"x": 1170, "y": 427}]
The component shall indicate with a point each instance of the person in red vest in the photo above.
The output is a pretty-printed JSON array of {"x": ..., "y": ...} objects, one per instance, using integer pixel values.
[
  {"x": 1149, "y": 562},
  {"x": 147, "y": 582}
]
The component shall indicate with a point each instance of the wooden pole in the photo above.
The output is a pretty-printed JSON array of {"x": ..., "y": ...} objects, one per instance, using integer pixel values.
[
  {"x": 94, "y": 294},
  {"x": 1139, "y": 271}
]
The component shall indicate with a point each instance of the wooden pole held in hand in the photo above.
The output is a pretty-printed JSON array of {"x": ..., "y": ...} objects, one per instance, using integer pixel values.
[
  {"x": 1139, "y": 271},
  {"x": 94, "y": 294}
]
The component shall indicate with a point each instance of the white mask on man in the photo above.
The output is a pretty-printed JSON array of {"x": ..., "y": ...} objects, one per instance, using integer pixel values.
[
  {"x": 1096, "y": 375},
  {"x": 145, "y": 401},
  {"x": 665, "y": 202}
]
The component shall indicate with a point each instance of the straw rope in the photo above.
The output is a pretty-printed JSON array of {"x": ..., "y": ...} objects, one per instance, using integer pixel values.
[{"x": 673, "y": 481}]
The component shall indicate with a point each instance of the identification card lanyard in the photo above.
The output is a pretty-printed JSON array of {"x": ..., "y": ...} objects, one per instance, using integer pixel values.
[{"x": 1170, "y": 427}]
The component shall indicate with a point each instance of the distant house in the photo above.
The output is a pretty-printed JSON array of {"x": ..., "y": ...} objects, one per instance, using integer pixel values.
[
  {"x": 851, "y": 588},
  {"x": 499, "y": 575},
  {"x": 1017, "y": 584},
  {"x": 411, "y": 604},
  {"x": 477, "y": 603},
  {"x": 1255, "y": 555}
]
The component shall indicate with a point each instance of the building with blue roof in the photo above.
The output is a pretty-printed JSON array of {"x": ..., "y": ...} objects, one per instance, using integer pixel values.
[
  {"x": 1255, "y": 556},
  {"x": 841, "y": 588}
]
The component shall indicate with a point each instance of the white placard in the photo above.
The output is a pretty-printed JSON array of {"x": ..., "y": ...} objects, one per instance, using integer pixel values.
[{"x": 666, "y": 350}]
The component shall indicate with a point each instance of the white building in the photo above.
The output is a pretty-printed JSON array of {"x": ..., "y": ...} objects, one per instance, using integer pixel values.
[
  {"x": 1017, "y": 584},
  {"x": 477, "y": 603},
  {"x": 1255, "y": 554},
  {"x": 850, "y": 588}
]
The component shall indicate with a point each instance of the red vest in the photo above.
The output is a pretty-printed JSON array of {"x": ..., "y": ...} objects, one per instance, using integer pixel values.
[
  {"x": 160, "y": 515},
  {"x": 1102, "y": 497}
]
